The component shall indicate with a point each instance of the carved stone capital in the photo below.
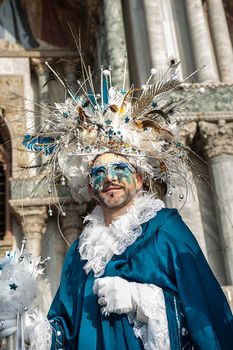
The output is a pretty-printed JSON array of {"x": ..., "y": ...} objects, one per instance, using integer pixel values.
[
  {"x": 37, "y": 65},
  {"x": 217, "y": 138},
  {"x": 72, "y": 222},
  {"x": 33, "y": 223},
  {"x": 217, "y": 99},
  {"x": 31, "y": 219},
  {"x": 188, "y": 132},
  {"x": 70, "y": 66}
]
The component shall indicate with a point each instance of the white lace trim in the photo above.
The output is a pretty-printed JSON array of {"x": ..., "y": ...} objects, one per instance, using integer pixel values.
[
  {"x": 149, "y": 300},
  {"x": 39, "y": 331},
  {"x": 98, "y": 242}
]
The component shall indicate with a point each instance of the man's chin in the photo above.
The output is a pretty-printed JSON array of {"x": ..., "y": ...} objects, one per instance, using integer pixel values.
[
  {"x": 113, "y": 200},
  {"x": 115, "y": 205}
]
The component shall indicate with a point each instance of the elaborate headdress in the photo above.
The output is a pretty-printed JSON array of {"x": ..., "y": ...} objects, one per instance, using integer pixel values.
[{"x": 140, "y": 123}]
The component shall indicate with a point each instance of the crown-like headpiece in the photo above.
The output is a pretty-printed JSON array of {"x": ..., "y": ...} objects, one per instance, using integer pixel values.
[{"x": 137, "y": 123}]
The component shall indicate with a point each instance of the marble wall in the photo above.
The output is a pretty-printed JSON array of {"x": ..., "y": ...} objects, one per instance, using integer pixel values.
[{"x": 151, "y": 31}]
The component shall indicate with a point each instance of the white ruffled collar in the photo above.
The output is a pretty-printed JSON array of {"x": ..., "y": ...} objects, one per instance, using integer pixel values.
[{"x": 98, "y": 242}]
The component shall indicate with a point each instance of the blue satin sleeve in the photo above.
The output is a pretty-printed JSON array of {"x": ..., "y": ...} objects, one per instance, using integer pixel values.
[
  {"x": 206, "y": 310},
  {"x": 61, "y": 314}
]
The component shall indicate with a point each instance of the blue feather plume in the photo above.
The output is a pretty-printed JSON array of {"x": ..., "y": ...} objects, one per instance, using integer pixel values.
[{"x": 43, "y": 144}]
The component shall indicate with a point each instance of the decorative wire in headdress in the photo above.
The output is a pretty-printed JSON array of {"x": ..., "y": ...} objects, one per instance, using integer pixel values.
[{"x": 137, "y": 123}]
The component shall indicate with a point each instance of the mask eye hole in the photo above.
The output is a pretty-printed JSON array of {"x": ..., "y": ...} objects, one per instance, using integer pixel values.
[
  {"x": 119, "y": 167},
  {"x": 98, "y": 171}
]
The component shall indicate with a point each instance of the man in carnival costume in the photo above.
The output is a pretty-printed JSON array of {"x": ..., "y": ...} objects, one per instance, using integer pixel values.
[{"x": 136, "y": 278}]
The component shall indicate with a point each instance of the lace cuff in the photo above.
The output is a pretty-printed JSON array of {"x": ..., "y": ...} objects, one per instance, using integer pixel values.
[
  {"x": 150, "y": 319},
  {"x": 43, "y": 334},
  {"x": 39, "y": 331}
]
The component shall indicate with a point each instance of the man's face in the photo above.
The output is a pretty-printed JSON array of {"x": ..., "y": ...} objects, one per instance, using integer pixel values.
[{"x": 113, "y": 181}]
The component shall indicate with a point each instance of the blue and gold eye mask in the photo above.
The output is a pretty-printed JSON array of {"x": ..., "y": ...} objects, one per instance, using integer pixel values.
[{"x": 116, "y": 170}]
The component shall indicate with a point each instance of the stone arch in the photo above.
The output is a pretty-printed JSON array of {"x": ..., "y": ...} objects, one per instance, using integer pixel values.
[{"x": 5, "y": 173}]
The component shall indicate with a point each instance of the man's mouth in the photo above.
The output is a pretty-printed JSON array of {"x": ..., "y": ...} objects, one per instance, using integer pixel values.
[{"x": 112, "y": 188}]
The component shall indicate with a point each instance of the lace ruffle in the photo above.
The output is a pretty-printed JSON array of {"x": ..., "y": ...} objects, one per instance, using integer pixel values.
[
  {"x": 152, "y": 326},
  {"x": 98, "y": 242}
]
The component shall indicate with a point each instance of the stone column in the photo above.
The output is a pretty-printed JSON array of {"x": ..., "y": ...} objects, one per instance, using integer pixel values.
[
  {"x": 70, "y": 68},
  {"x": 209, "y": 220},
  {"x": 8, "y": 343},
  {"x": 70, "y": 227},
  {"x": 228, "y": 290},
  {"x": 201, "y": 42},
  {"x": 33, "y": 222},
  {"x": 116, "y": 40},
  {"x": 137, "y": 41},
  {"x": 155, "y": 33},
  {"x": 42, "y": 87},
  {"x": 185, "y": 197},
  {"x": 72, "y": 223},
  {"x": 42, "y": 74},
  {"x": 221, "y": 39},
  {"x": 219, "y": 152}
]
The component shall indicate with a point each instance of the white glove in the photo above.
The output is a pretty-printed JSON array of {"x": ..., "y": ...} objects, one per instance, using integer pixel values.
[
  {"x": 114, "y": 295},
  {"x": 7, "y": 327}
]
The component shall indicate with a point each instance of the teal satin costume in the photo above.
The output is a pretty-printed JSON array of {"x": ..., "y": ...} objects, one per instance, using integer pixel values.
[{"x": 165, "y": 254}]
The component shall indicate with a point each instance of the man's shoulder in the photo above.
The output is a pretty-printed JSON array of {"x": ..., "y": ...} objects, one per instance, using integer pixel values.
[
  {"x": 174, "y": 231},
  {"x": 170, "y": 228},
  {"x": 165, "y": 215},
  {"x": 154, "y": 226}
]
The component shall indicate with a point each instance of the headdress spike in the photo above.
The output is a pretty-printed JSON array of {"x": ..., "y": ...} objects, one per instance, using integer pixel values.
[
  {"x": 101, "y": 86},
  {"x": 21, "y": 256},
  {"x": 125, "y": 71}
]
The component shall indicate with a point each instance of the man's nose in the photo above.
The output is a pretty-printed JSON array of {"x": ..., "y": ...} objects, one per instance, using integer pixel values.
[{"x": 111, "y": 175}]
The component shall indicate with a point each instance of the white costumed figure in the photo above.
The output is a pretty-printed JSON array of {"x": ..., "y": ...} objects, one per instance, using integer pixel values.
[{"x": 20, "y": 274}]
